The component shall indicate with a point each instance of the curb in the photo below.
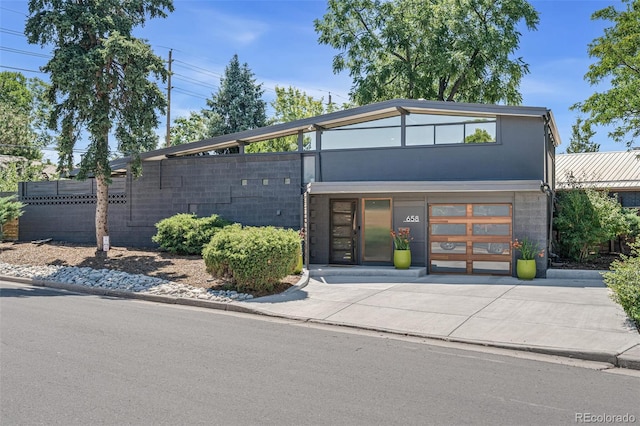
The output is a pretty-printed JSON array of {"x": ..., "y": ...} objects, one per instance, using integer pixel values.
[
  {"x": 629, "y": 359},
  {"x": 230, "y": 306},
  {"x": 575, "y": 274}
]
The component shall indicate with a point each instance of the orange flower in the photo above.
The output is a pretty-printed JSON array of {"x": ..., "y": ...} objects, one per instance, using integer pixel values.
[{"x": 527, "y": 248}]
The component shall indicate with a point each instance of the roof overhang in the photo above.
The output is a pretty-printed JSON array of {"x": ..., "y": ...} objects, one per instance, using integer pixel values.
[
  {"x": 316, "y": 188},
  {"x": 359, "y": 114}
]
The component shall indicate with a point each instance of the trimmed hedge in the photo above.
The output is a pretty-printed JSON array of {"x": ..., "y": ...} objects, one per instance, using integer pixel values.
[
  {"x": 256, "y": 258},
  {"x": 185, "y": 233},
  {"x": 624, "y": 281}
]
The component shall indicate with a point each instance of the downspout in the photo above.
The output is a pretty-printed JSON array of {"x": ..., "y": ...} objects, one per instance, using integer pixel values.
[{"x": 553, "y": 138}]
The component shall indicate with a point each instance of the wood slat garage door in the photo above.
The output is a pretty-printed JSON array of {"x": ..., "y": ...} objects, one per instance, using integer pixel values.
[{"x": 470, "y": 238}]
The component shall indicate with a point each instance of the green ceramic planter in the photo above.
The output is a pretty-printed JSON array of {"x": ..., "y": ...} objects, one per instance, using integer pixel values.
[
  {"x": 526, "y": 269},
  {"x": 402, "y": 259}
]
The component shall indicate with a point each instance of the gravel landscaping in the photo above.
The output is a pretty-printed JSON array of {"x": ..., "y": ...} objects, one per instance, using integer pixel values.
[{"x": 139, "y": 270}]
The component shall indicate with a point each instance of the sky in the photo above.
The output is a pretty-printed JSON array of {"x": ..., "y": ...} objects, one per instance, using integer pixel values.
[{"x": 278, "y": 42}]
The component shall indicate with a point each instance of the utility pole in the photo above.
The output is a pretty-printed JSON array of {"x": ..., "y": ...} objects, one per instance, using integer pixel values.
[{"x": 169, "y": 101}]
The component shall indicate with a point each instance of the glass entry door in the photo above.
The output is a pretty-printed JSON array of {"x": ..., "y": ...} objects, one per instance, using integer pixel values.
[
  {"x": 343, "y": 232},
  {"x": 377, "y": 225}
]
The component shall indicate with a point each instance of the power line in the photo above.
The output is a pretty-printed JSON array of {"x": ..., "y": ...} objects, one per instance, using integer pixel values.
[
  {"x": 14, "y": 11},
  {"x": 24, "y": 52},
  {"x": 202, "y": 70},
  {"x": 194, "y": 81},
  {"x": 21, "y": 69},
  {"x": 12, "y": 32},
  {"x": 189, "y": 93}
]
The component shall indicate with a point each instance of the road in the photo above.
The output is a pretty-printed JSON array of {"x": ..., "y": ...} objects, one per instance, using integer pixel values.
[{"x": 76, "y": 359}]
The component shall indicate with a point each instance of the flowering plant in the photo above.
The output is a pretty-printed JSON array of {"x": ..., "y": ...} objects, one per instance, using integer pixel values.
[
  {"x": 528, "y": 248},
  {"x": 401, "y": 239}
]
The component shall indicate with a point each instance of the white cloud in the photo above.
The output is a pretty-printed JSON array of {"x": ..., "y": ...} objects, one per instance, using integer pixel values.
[{"x": 220, "y": 26}]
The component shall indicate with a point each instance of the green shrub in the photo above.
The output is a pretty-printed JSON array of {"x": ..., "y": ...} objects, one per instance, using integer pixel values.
[
  {"x": 624, "y": 280},
  {"x": 585, "y": 219},
  {"x": 255, "y": 258},
  {"x": 633, "y": 221},
  {"x": 185, "y": 233}
]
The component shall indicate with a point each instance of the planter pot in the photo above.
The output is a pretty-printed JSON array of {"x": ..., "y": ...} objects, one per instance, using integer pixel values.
[
  {"x": 526, "y": 269},
  {"x": 402, "y": 259}
]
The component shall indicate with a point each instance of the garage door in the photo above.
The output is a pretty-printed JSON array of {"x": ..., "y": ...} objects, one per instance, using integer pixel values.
[{"x": 470, "y": 238}]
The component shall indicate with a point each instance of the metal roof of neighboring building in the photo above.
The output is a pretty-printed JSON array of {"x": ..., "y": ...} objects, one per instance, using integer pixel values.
[{"x": 606, "y": 170}]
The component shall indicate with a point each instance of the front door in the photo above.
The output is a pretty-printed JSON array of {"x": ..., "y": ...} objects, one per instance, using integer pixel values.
[{"x": 343, "y": 232}]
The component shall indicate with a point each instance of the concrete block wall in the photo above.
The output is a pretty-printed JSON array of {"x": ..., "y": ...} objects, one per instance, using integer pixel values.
[
  {"x": 254, "y": 190},
  {"x": 65, "y": 210},
  {"x": 263, "y": 189},
  {"x": 530, "y": 219}
]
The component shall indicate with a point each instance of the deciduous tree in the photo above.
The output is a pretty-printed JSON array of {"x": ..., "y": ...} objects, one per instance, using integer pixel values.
[
  {"x": 290, "y": 104},
  {"x": 618, "y": 63},
  {"x": 100, "y": 82},
  {"x": 24, "y": 112},
  {"x": 189, "y": 129},
  {"x": 581, "y": 134},
  {"x": 448, "y": 50}
]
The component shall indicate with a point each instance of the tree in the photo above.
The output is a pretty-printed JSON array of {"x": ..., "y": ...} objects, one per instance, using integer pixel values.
[
  {"x": 581, "y": 135},
  {"x": 9, "y": 209},
  {"x": 618, "y": 62},
  {"x": 585, "y": 219},
  {"x": 100, "y": 79},
  {"x": 23, "y": 116},
  {"x": 238, "y": 104},
  {"x": 188, "y": 129},
  {"x": 479, "y": 136},
  {"x": 447, "y": 50},
  {"x": 19, "y": 170},
  {"x": 290, "y": 104}
]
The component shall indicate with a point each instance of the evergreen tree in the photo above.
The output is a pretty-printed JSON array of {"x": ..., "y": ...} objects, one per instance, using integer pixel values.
[
  {"x": 237, "y": 105},
  {"x": 100, "y": 81},
  {"x": 581, "y": 135}
]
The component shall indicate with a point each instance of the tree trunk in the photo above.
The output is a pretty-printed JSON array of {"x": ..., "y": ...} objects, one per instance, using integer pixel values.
[{"x": 102, "y": 205}]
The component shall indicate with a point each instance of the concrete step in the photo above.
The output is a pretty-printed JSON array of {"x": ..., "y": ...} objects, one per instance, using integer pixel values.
[{"x": 365, "y": 271}]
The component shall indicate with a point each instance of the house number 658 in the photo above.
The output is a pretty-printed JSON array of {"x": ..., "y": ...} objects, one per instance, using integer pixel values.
[{"x": 412, "y": 219}]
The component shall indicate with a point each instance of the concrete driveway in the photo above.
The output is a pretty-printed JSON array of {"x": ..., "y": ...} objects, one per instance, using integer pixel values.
[{"x": 565, "y": 316}]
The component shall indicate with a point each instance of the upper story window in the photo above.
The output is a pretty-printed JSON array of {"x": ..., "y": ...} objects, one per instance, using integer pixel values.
[
  {"x": 431, "y": 129},
  {"x": 371, "y": 134}
]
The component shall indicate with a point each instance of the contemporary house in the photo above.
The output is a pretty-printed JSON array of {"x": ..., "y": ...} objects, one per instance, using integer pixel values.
[{"x": 464, "y": 179}]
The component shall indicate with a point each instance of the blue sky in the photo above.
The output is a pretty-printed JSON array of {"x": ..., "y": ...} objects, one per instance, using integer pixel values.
[{"x": 278, "y": 42}]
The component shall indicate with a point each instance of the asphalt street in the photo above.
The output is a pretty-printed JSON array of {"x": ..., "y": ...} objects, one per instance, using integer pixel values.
[{"x": 79, "y": 359}]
